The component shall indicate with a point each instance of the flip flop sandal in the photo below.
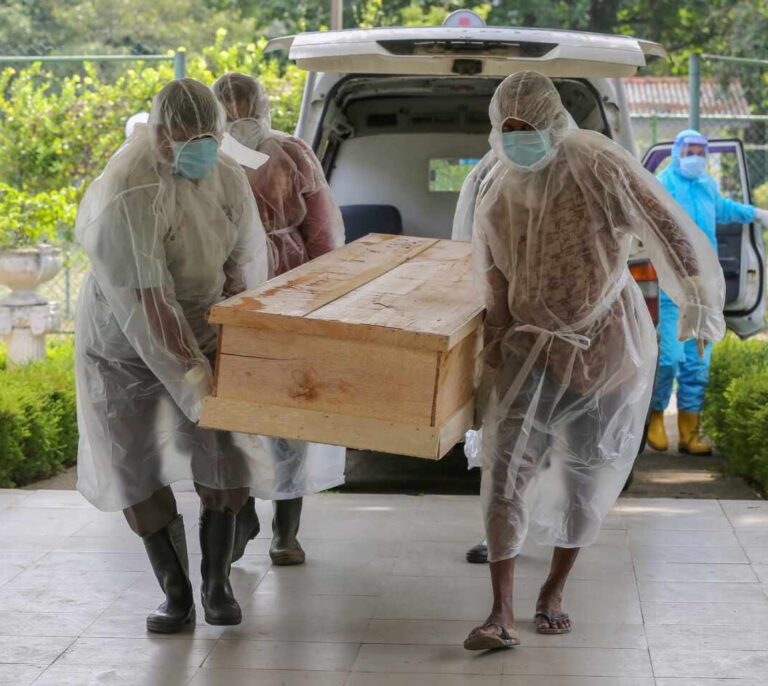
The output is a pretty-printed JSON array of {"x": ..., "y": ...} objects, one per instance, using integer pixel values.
[
  {"x": 552, "y": 618},
  {"x": 480, "y": 642}
]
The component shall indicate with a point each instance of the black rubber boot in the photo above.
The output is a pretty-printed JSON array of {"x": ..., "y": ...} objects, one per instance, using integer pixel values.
[
  {"x": 217, "y": 536},
  {"x": 167, "y": 551},
  {"x": 286, "y": 549},
  {"x": 478, "y": 554},
  {"x": 246, "y": 528}
]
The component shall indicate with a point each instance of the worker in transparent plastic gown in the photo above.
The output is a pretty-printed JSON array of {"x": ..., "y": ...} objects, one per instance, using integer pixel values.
[
  {"x": 302, "y": 221},
  {"x": 463, "y": 221},
  {"x": 171, "y": 229},
  {"x": 569, "y": 346}
]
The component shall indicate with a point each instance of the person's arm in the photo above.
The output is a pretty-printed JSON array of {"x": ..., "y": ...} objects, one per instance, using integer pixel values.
[
  {"x": 247, "y": 265},
  {"x": 322, "y": 227},
  {"x": 464, "y": 216},
  {"x": 686, "y": 264},
  {"x": 731, "y": 212},
  {"x": 127, "y": 255},
  {"x": 493, "y": 288}
]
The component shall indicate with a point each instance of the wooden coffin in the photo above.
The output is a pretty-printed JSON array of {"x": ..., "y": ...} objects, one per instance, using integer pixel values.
[{"x": 373, "y": 346}]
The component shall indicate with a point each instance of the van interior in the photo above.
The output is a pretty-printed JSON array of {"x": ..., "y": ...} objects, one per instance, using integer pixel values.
[{"x": 397, "y": 149}]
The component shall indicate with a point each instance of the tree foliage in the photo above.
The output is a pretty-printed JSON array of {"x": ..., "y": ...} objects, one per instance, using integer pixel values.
[{"x": 60, "y": 124}]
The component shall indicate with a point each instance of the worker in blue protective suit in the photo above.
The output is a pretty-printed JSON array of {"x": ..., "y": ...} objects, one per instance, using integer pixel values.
[{"x": 687, "y": 181}]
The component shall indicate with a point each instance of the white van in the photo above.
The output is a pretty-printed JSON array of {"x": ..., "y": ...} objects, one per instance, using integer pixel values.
[{"x": 399, "y": 116}]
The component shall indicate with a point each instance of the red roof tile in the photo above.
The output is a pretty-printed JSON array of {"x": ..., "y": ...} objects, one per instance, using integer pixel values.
[{"x": 662, "y": 95}]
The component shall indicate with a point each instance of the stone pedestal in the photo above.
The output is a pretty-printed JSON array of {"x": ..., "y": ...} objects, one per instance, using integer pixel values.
[
  {"x": 25, "y": 327},
  {"x": 26, "y": 316}
]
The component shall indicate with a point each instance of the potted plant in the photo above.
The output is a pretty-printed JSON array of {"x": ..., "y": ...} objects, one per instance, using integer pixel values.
[{"x": 28, "y": 224}]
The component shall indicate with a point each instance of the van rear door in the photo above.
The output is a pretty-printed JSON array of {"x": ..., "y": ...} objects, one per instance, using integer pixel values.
[
  {"x": 741, "y": 247},
  {"x": 451, "y": 51}
]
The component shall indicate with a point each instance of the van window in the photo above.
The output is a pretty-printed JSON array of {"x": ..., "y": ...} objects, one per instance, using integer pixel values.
[{"x": 447, "y": 174}]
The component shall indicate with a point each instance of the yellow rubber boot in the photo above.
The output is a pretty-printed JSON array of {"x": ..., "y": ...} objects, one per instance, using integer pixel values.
[
  {"x": 657, "y": 434},
  {"x": 692, "y": 440}
]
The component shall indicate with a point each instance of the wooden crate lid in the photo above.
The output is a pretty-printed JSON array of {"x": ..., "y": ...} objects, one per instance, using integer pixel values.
[{"x": 397, "y": 290}]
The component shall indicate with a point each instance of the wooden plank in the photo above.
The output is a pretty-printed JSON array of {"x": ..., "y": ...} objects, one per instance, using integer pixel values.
[
  {"x": 457, "y": 371},
  {"x": 321, "y": 427},
  {"x": 321, "y": 281},
  {"x": 430, "y": 295},
  {"x": 454, "y": 430},
  {"x": 352, "y": 378},
  {"x": 360, "y": 332}
]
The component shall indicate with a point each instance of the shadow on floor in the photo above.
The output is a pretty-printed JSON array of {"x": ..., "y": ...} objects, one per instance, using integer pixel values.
[{"x": 656, "y": 475}]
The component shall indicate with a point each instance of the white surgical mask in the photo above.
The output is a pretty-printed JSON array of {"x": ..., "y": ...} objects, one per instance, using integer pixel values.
[
  {"x": 693, "y": 166},
  {"x": 249, "y": 132}
]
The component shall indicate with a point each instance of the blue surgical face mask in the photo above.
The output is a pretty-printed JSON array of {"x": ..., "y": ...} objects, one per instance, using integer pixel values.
[
  {"x": 195, "y": 159},
  {"x": 693, "y": 166},
  {"x": 526, "y": 148}
]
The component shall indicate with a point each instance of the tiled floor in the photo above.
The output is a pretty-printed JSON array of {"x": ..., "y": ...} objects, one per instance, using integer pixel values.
[{"x": 673, "y": 594}]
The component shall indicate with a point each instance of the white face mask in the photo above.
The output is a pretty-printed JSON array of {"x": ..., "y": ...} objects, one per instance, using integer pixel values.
[{"x": 249, "y": 132}]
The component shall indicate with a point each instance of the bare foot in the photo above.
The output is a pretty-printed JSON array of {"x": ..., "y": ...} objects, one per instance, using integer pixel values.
[{"x": 550, "y": 618}]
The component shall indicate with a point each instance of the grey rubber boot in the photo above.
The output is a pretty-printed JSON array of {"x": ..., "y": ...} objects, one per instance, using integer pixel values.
[
  {"x": 217, "y": 536},
  {"x": 167, "y": 551},
  {"x": 247, "y": 527},
  {"x": 286, "y": 549}
]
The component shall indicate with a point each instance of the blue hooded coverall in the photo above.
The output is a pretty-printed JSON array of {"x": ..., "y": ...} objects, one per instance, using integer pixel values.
[{"x": 701, "y": 199}]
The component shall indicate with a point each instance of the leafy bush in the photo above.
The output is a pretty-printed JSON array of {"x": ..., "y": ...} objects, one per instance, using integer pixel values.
[
  {"x": 38, "y": 420},
  {"x": 746, "y": 427},
  {"x": 732, "y": 359},
  {"x": 27, "y": 219},
  {"x": 57, "y": 133},
  {"x": 760, "y": 195},
  {"x": 736, "y": 408}
]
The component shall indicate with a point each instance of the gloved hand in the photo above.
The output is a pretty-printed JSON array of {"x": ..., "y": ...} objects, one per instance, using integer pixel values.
[
  {"x": 197, "y": 385},
  {"x": 761, "y": 216}
]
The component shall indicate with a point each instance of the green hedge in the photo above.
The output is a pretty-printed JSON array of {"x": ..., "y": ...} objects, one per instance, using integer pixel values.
[
  {"x": 38, "y": 422},
  {"x": 736, "y": 408}
]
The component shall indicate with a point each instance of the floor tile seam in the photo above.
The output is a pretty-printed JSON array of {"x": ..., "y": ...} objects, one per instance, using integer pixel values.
[
  {"x": 504, "y": 672},
  {"x": 725, "y": 514},
  {"x": 524, "y": 646},
  {"x": 642, "y": 612},
  {"x": 54, "y": 661},
  {"x": 13, "y": 578},
  {"x": 709, "y": 651},
  {"x": 214, "y": 642},
  {"x": 230, "y": 639},
  {"x": 74, "y": 637}
]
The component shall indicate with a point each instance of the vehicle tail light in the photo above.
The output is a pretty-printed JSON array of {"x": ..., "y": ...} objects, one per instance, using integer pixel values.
[{"x": 645, "y": 276}]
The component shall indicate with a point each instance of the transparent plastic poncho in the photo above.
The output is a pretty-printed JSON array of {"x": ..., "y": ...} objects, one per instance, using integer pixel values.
[
  {"x": 569, "y": 346},
  {"x": 163, "y": 249},
  {"x": 297, "y": 208},
  {"x": 302, "y": 221}
]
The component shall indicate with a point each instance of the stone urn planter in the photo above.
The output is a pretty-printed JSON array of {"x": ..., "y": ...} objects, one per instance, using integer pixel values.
[{"x": 25, "y": 315}]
